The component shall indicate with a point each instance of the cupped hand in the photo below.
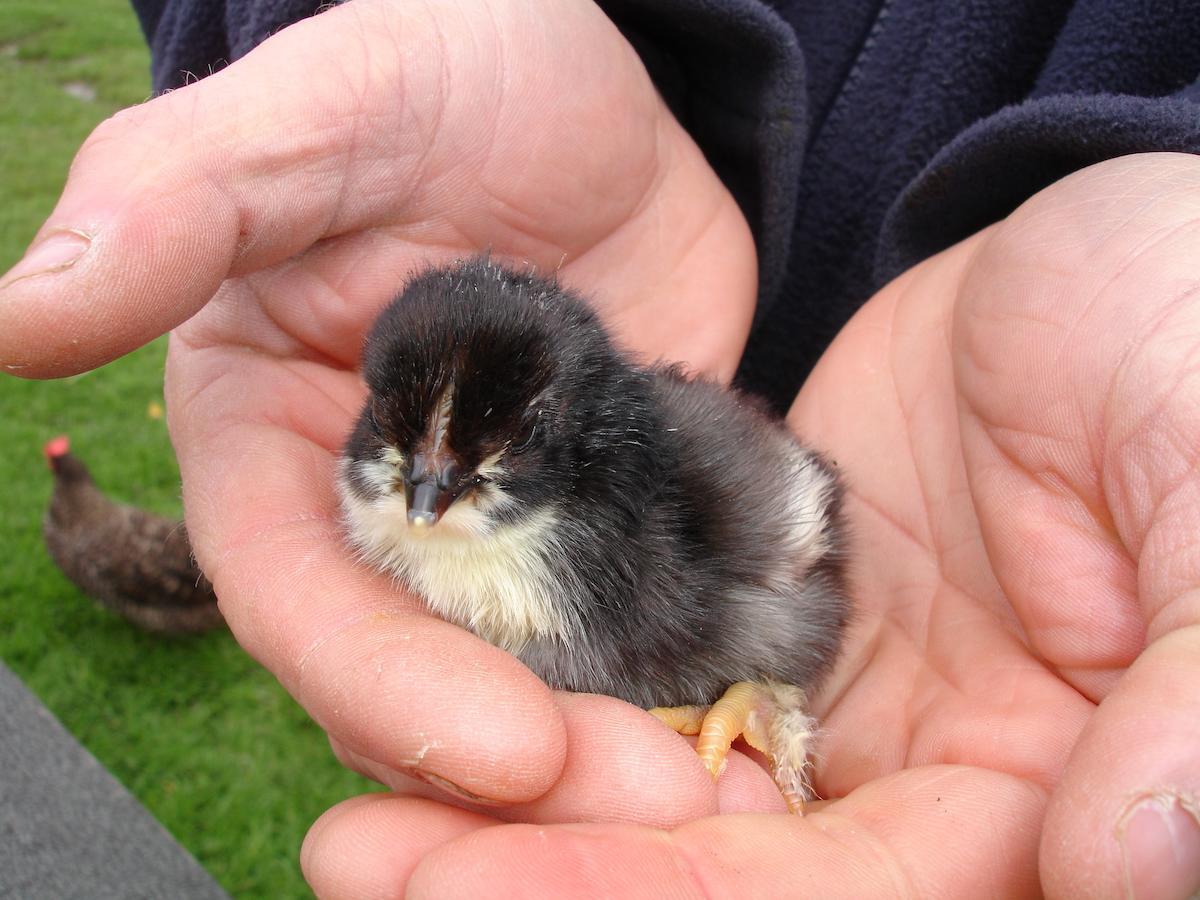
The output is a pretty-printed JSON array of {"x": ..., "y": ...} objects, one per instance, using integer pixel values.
[
  {"x": 1014, "y": 418},
  {"x": 268, "y": 212},
  {"x": 1019, "y": 707}
]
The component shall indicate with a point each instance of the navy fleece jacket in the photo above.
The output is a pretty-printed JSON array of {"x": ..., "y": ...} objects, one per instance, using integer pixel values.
[{"x": 859, "y": 136}]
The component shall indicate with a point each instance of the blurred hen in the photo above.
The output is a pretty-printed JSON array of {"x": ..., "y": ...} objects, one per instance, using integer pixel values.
[{"x": 133, "y": 562}]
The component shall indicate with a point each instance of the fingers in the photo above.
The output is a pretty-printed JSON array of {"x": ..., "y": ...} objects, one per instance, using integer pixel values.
[
  {"x": 337, "y": 125},
  {"x": 396, "y": 686},
  {"x": 941, "y": 831},
  {"x": 414, "y": 693},
  {"x": 368, "y": 846},
  {"x": 1079, "y": 333},
  {"x": 621, "y": 766}
]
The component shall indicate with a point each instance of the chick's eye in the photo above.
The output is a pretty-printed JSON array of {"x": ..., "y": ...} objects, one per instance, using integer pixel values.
[{"x": 528, "y": 432}]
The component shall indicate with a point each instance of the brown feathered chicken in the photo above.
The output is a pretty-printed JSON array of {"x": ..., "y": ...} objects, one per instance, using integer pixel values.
[{"x": 137, "y": 564}]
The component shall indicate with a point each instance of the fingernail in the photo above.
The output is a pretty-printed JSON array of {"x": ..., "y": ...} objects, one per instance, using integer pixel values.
[
  {"x": 1160, "y": 842},
  {"x": 59, "y": 251}
]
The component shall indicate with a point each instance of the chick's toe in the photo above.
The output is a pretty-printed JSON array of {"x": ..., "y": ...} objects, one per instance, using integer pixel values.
[{"x": 770, "y": 717}]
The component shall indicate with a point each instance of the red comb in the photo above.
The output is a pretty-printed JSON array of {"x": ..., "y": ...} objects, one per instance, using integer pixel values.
[{"x": 56, "y": 447}]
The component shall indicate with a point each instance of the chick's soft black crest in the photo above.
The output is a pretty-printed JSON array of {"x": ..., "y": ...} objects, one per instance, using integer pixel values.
[{"x": 527, "y": 367}]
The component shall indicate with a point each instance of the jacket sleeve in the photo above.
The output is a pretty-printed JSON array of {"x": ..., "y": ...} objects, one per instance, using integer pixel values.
[{"x": 1119, "y": 78}]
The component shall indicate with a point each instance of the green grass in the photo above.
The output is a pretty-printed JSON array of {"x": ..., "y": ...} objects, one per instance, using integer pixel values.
[{"x": 198, "y": 731}]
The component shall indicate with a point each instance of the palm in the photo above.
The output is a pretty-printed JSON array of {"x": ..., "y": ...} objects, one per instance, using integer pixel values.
[
  {"x": 940, "y": 663},
  {"x": 1013, "y": 420}
]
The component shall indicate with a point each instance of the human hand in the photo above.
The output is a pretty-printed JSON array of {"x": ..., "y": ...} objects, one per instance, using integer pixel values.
[
  {"x": 301, "y": 186},
  {"x": 403, "y": 134},
  {"x": 1016, "y": 419}
]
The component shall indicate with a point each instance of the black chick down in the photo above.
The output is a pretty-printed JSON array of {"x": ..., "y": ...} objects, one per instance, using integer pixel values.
[{"x": 622, "y": 530}]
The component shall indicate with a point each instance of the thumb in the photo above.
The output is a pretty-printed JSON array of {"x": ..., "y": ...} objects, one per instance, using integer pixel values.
[
  {"x": 1126, "y": 816},
  {"x": 166, "y": 200}
]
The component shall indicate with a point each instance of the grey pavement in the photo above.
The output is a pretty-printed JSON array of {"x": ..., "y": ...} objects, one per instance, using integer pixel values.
[{"x": 68, "y": 829}]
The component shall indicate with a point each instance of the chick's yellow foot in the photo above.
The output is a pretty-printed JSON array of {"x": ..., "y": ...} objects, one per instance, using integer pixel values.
[
  {"x": 736, "y": 714},
  {"x": 772, "y": 720}
]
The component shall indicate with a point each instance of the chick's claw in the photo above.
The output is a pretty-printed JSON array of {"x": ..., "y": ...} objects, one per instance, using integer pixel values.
[{"x": 771, "y": 719}]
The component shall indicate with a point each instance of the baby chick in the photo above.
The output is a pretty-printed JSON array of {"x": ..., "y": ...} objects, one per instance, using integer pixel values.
[{"x": 622, "y": 530}]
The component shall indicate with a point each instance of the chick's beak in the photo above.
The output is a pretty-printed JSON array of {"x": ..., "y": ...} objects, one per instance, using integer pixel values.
[{"x": 431, "y": 486}]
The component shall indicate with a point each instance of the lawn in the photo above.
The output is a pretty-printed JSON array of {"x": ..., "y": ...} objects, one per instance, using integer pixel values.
[{"x": 195, "y": 728}]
